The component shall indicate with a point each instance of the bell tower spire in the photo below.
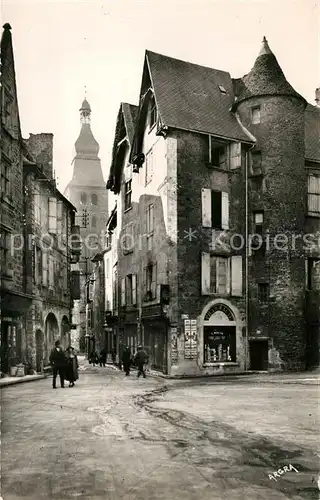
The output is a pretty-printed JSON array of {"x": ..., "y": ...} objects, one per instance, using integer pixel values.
[{"x": 85, "y": 110}]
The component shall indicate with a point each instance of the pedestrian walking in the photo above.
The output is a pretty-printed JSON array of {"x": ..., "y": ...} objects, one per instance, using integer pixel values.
[
  {"x": 126, "y": 360},
  {"x": 72, "y": 373},
  {"x": 94, "y": 358},
  {"x": 141, "y": 358},
  {"x": 113, "y": 356},
  {"x": 103, "y": 357},
  {"x": 58, "y": 361}
]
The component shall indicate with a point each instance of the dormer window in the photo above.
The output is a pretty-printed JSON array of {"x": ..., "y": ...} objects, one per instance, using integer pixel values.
[
  {"x": 255, "y": 115},
  {"x": 153, "y": 113},
  {"x": 222, "y": 89}
]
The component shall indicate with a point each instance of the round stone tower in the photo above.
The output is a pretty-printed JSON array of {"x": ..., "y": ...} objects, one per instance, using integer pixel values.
[{"x": 275, "y": 114}]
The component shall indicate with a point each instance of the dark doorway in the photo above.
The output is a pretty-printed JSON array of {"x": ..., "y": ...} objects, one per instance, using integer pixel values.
[
  {"x": 259, "y": 355},
  {"x": 4, "y": 347},
  {"x": 39, "y": 351}
]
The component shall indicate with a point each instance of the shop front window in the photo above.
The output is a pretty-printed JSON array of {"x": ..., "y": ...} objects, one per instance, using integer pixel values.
[{"x": 219, "y": 344}]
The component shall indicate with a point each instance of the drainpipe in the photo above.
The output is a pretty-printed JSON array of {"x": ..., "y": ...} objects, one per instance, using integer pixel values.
[{"x": 247, "y": 256}]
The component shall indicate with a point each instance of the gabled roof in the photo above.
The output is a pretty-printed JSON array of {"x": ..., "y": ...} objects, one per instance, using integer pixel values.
[
  {"x": 265, "y": 78},
  {"x": 312, "y": 133},
  {"x": 188, "y": 97},
  {"x": 125, "y": 126}
]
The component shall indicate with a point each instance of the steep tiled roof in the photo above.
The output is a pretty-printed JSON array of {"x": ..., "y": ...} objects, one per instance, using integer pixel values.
[
  {"x": 266, "y": 78},
  {"x": 126, "y": 118},
  {"x": 312, "y": 133},
  {"x": 188, "y": 97}
]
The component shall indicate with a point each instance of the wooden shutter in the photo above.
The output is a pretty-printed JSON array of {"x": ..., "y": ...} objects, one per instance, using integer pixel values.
[
  {"x": 123, "y": 292},
  {"x": 235, "y": 155},
  {"x": 236, "y": 275},
  {"x": 154, "y": 281},
  {"x": 205, "y": 273},
  {"x": 45, "y": 268},
  {"x": 224, "y": 210},
  {"x": 134, "y": 289},
  {"x": 52, "y": 215},
  {"x": 206, "y": 207}
]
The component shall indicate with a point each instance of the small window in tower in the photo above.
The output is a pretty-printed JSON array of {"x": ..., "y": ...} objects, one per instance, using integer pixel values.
[
  {"x": 94, "y": 199},
  {"x": 94, "y": 221},
  {"x": 83, "y": 199},
  {"x": 255, "y": 115},
  {"x": 222, "y": 89}
]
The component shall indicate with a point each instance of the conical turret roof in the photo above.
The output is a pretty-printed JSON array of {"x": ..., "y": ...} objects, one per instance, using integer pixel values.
[{"x": 266, "y": 77}]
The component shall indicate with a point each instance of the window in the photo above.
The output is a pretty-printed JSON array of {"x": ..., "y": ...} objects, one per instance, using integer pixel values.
[
  {"x": 83, "y": 199},
  {"x": 255, "y": 115},
  {"x": 94, "y": 199},
  {"x": 217, "y": 154},
  {"x": 37, "y": 206},
  {"x": 222, "y": 89},
  {"x": 258, "y": 223},
  {"x": 149, "y": 167},
  {"x": 51, "y": 271},
  {"x": 313, "y": 274},
  {"x": 150, "y": 282},
  {"x": 52, "y": 211},
  {"x": 256, "y": 162},
  {"x": 93, "y": 221},
  {"x": 314, "y": 195},
  {"x": 149, "y": 224},
  {"x": 37, "y": 266},
  {"x": 215, "y": 271},
  {"x": 5, "y": 243},
  {"x": 45, "y": 268},
  {"x": 131, "y": 290},
  {"x": 263, "y": 292},
  {"x": 5, "y": 179},
  {"x": 219, "y": 344},
  {"x": 153, "y": 113},
  {"x": 215, "y": 209},
  {"x": 127, "y": 195}
]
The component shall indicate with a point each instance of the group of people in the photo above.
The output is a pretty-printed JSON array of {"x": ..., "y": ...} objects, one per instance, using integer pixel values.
[
  {"x": 65, "y": 364},
  {"x": 126, "y": 360},
  {"x": 139, "y": 360}
]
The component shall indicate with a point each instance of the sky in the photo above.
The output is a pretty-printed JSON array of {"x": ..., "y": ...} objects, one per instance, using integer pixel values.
[{"x": 61, "y": 47}]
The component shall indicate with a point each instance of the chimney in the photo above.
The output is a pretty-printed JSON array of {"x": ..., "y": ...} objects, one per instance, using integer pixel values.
[
  {"x": 317, "y": 99},
  {"x": 41, "y": 148}
]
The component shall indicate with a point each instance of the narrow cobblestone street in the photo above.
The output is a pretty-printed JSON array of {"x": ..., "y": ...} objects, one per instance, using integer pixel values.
[{"x": 113, "y": 437}]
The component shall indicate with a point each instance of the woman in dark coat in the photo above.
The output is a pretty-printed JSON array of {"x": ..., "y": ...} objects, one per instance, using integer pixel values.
[{"x": 73, "y": 365}]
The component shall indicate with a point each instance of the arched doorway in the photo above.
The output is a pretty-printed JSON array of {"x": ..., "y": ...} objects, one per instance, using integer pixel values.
[
  {"x": 221, "y": 334},
  {"x": 39, "y": 350},
  {"x": 65, "y": 332},
  {"x": 51, "y": 333}
]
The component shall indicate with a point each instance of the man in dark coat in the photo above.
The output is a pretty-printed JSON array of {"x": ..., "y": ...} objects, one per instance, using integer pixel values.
[
  {"x": 126, "y": 360},
  {"x": 103, "y": 357},
  {"x": 58, "y": 361},
  {"x": 141, "y": 358}
]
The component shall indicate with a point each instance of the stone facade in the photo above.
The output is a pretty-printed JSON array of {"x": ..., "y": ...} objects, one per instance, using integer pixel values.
[
  {"x": 36, "y": 252},
  {"x": 227, "y": 236}
]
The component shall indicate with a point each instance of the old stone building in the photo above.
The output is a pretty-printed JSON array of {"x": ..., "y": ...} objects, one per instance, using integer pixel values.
[
  {"x": 87, "y": 193},
  {"x": 50, "y": 253},
  {"x": 37, "y": 285},
  {"x": 15, "y": 300},
  {"x": 216, "y": 188}
]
